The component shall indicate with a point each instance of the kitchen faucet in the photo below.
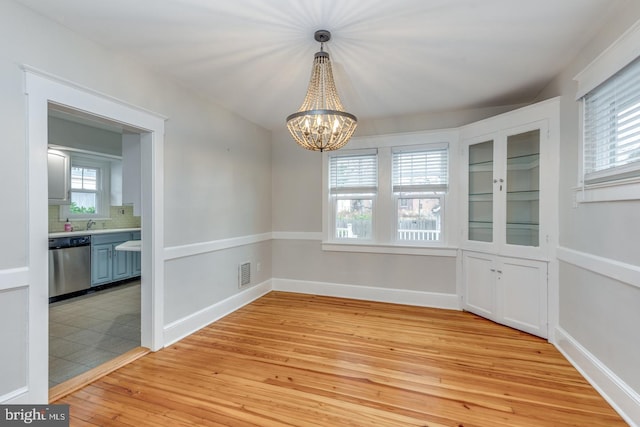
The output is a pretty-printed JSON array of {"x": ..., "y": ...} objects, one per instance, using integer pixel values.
[{"x": 90, "y": 223}]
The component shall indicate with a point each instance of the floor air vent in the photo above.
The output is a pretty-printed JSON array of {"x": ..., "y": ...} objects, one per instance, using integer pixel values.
[{"x": 244, "y": 274}]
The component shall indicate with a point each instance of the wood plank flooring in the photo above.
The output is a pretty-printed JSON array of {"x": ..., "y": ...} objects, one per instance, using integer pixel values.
[{"x": 299, "y": 360}]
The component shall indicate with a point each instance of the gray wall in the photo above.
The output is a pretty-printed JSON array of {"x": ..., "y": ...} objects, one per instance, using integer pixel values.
[
  {"x": 600, "y": 313},
  {"x": 217, "y": 173},
  {"x": 76, "y": 135}
]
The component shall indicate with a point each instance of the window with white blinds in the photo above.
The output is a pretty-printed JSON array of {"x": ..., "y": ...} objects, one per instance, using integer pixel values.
[
  {"x": 420, "y": 170},
  {"x": 612, "y": 127},
  {"x": 353, "y": 173}
]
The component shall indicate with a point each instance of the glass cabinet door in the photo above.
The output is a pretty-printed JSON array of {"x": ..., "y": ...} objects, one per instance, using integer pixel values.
[
  {"x": 523, "y": 189},
  {"x": 481, "y": 192}
]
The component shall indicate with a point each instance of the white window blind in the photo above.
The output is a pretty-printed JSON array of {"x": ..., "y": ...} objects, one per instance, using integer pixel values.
[
  {"x": 612, "y": 127},
  {"x": 421, "y": 170},
  {"x": 353, "y": 173}
]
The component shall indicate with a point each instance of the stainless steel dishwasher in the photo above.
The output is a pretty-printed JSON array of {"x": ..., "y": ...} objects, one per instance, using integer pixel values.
[{"x": 69, "y": 265}]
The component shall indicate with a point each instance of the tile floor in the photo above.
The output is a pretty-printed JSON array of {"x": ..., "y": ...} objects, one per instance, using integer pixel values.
[{"x": 87, "y": 331}]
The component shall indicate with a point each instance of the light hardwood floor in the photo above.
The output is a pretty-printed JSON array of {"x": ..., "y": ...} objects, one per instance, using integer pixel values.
[{"x": 298, "y": 360}]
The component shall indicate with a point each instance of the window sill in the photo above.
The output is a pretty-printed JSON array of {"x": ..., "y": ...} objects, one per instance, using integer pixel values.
[
  {"x": 442, "y": 251},
  {"x": 620, "y": 190}
]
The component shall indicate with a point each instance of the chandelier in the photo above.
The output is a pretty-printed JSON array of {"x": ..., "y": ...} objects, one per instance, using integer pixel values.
[{"x": 321, "y": 124}]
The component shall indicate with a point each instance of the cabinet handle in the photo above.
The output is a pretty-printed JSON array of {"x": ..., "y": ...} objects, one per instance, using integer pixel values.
[
  {"x": 493, "y": 270},
  {"x": 499, "y": 271}
]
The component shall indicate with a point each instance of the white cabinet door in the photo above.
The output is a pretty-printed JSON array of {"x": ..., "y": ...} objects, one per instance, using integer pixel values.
[
  {"x": 509, "y": 180},
  {"x": 510, "y": 291},
  {"x": 522, "y": 294},
  {"x": 131, "y": 181},
  {"x": 479, "y": 278},
  {"x": 58, "y": 165}
]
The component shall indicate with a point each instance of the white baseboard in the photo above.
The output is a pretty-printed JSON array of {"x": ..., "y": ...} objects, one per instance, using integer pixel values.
[
  {"x": 396, "y": 296},
  {"x": 181, "y": 328},
  {"x": 620, "y": 396}
]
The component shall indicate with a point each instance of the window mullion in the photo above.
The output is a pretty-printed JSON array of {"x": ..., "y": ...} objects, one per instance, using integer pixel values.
[{"x": 384, "y": 218}]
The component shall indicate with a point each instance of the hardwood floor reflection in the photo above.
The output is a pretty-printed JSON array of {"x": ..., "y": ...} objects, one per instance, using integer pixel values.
[{"x": 298, "y": 360}]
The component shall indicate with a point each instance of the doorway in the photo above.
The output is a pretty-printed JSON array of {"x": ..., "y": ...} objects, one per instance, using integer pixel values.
[
  {"x": 43, "y": 90},
  {"x": 94, "y": 288}
]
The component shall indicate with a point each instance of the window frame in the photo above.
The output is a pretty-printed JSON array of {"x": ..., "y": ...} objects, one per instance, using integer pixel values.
[
  {"x": 356, "y": 193},
  {"x": 103, "y": 188},
  {"x": 612, "y": 185},
  {"x": 385, "y": 203},
  {"x": 420, "y": 191},
  {"x": 610, "y": 115}
]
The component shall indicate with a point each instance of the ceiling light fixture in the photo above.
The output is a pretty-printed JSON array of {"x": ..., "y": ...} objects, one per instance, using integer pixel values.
[{"x": 321, "y": 124}]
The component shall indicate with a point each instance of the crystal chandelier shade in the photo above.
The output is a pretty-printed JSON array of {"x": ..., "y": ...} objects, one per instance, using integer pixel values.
[{"x": 321, "y": 124}]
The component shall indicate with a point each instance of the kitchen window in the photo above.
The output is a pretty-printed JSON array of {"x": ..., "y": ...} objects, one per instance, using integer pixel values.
[{"x": 90, "y": 189}]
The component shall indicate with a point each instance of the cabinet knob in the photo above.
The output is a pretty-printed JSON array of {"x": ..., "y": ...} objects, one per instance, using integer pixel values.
[
  {"x": 493, "y": 270},
  {"x": 499, "y": 271}
]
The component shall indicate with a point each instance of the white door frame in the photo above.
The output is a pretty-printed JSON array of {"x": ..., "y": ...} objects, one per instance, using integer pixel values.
[{"x": 41, "y": 89}]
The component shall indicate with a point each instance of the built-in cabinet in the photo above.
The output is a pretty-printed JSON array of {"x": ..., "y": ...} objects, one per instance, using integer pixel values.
[
  {"x": 511, "y": 291},
  {"x": 109, "y": 265},
  {"x": 508, "y": 215},
  {"x": 59, "y": 177}
]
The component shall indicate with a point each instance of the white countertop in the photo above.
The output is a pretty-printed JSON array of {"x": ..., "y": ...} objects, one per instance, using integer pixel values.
[
  {"x": 91, "y": 232},
  {"x": 130, "y": 245}
]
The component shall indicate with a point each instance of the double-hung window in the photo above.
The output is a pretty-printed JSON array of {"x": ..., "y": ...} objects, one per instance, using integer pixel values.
[
  {"x": 612, "y": 128},
  {"x": 84, "y": 190},
  {"x": 353, "y": 184},
  {"x": 420, "y": 181},
  {"x": 90, "y": 189}
]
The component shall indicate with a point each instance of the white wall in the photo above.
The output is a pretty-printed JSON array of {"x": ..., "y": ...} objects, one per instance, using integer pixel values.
[
  {"x": 599, "y": 311},
  {"x": 217, "y": 174}
]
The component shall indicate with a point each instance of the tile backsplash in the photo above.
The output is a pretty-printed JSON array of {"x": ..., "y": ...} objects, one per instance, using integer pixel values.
[{"x": 121, "y": 217}]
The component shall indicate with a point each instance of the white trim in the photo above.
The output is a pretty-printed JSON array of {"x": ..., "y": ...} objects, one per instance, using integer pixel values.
[
  {"x": 42, "y": 88},
  {"x": 389, "y": 249},
  {"x": 406, "y": 139},
  {"x": 369, "y": 293},
  {"x": 14, "y": 278},
  {"x": 192, "y": 249},
  {"x": 15, "y": 397},
  {"x": 175, "y": 331},
  {"x": 297, "y": 235},
  {"x": 611, "y": 191},
  {"x": 29, "y": 70},
  {"x": 617, "y": 270},
  {"x": 619, "y": 394},
  {"x": 621, "y": 52}
]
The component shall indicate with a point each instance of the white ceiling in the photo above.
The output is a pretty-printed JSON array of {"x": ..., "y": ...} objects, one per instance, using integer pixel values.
[{"x": 390, "y": 58}]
